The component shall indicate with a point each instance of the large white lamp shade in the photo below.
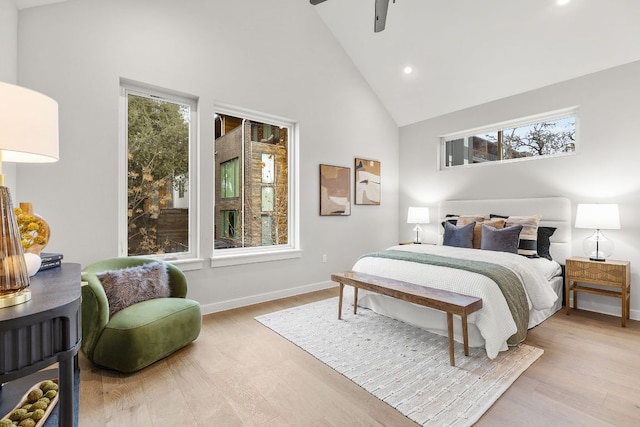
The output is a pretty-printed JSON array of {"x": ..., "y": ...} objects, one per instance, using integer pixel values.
[
  {"x": 28, "y": 125},
  {"x": 28, "y": 133}
]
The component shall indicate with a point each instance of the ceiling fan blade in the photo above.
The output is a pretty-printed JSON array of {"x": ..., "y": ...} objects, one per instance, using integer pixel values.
[
  {"x": 381, "y": 15},
  {"x": 380, "y": 12}
]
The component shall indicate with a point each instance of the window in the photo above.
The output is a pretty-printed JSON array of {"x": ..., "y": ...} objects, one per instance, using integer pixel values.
[
  {"x": 229, "y": 179},
  {"x": 160, "y": 201},
  {"x": 534, "y": 137},
  {"x": 229, "y": 224},
  {"x": 261, "y": 149},
  {"x": 267, "y": 234}
]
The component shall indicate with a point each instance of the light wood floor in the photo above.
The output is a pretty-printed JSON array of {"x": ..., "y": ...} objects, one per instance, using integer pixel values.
[{"x": 239, "y": 373}]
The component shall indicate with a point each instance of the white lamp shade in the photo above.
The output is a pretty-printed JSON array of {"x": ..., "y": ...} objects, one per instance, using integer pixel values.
[
  {"x": 599, "y": 216},
  {"x": 28, "y": 125},
  {"x": 418, "y": 215},
  {"x": 28, "y": 133}
]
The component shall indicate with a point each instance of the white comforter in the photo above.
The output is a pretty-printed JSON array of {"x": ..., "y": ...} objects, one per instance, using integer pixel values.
[{"x": 494, "y": 320}]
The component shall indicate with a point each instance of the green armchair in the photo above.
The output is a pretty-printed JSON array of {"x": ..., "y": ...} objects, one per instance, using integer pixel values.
[{"x": 142, "y": 333}]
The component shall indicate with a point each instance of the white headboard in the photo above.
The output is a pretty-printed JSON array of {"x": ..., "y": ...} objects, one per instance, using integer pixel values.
[{"x": 555, "y": 211}]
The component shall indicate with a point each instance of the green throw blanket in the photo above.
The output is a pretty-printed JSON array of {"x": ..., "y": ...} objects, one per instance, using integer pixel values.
[{"x": 506, "y": 280}]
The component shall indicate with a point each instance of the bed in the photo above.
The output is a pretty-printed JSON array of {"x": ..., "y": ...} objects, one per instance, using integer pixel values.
[{"x": 493, "y": 327}]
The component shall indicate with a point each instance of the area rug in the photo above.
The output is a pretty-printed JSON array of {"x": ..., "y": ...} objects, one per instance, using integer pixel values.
[{"x": 404, "y": 366}]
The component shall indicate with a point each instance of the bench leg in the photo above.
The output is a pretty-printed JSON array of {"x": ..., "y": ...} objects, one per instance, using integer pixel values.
[
  {"x": 452, "y": 360},
  {"x": 465, "y": 334},
  {"x": 340, "y": 302},
  {"x": 355, "y": 300}
]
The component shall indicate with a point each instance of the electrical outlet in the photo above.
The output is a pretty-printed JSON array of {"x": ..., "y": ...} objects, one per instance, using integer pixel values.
[{"x": 324, "y": 258}]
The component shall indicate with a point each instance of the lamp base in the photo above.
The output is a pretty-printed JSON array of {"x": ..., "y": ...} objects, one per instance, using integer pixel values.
[
  {"x": 417, "y": 229},
  {"x": 15, "y": 298},
  {"x": 597, "y": 247}
]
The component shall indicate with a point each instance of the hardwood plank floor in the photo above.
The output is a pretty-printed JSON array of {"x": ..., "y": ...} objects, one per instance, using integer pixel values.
[{"x": 240, "y": 373}]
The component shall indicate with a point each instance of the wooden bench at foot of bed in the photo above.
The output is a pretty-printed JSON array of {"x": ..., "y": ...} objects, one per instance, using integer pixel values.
[{"x": 438, "y": 299}]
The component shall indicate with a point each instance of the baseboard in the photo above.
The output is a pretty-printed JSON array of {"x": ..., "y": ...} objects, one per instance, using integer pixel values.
[
  {"x": 269, "y": 296},
  {"x": 611, "y": 310},
  {"x": 284, "y": 293}
]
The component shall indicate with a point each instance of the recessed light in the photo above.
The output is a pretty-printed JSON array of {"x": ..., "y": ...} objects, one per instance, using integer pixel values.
[
  {"x": 562, "y": 2},
  {"x": 408, "y": 69}
]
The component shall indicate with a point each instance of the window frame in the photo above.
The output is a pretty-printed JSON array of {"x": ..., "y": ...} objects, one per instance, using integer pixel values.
[
  {"x": 501, "y": 126},
  {"x": 188, "y": 260},
  {"x": 236, "y": 256}
]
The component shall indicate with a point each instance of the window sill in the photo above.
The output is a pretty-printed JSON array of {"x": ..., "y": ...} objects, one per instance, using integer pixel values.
[
  {"x": 226, "y": 260},
  {"x": 187, "y": 264}
]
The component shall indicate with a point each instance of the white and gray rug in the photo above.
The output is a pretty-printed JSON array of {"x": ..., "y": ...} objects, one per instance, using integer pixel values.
[{"x": 402, "y": 365}]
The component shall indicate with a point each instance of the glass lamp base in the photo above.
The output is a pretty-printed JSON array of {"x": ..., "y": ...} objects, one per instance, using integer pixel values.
[
  {"x": 15, "y": 298},
  {"x": 13, "y": 270},
  {"x": 597, "y": 247}
]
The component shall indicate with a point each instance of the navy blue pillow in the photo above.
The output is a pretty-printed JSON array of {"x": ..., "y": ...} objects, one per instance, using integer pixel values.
[
  {"x": 501, "y": 240},
  {"x": 460, "y": 237}
]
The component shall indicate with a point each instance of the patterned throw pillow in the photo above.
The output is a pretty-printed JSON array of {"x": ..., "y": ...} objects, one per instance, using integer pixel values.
[
  {"x": 528, "y": 236},
  {"x": 128, "y": 286},
  {"x": 501, "y": 240}
]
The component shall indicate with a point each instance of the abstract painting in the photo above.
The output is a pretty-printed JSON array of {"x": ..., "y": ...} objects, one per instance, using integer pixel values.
[
  {"x": 367, "y": 182},
  {"x": 335, "y": 189}
]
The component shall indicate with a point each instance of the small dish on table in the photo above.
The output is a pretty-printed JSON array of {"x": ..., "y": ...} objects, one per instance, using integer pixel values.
[{"x": 34, "y": 407}]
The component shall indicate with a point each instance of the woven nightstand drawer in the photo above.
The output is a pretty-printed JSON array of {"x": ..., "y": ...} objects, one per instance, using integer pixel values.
[{"x": 610, "y": 271}]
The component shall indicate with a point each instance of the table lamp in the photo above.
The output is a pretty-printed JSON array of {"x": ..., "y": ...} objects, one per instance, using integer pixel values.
[
  {"x": 418, "y": 216},
  {"x": 598, "y": 217},
  {"x": 28, "y": 134}
]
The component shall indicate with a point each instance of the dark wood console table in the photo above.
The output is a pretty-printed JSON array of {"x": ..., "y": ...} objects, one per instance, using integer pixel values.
[{"x": 43, "y": 331}]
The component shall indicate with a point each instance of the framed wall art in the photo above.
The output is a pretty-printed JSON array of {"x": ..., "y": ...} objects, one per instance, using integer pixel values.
[
  {"x": 335, "y": 190},
  {"x": 367, "y": 179}
]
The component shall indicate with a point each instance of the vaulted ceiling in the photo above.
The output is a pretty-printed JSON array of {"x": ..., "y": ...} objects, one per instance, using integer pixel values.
[{"x": 468, "y": 52}]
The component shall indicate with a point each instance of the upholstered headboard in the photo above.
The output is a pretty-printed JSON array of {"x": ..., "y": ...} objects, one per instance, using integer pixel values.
[{"x": 555, "y": 211}]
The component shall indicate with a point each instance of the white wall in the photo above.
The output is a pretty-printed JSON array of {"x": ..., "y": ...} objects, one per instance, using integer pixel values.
[
  {"x": 605, "y": 168},
  {"x": 248, "y": 53},
  {"x": 8, "y": 41},
  {"x": 9, "y": 69}
]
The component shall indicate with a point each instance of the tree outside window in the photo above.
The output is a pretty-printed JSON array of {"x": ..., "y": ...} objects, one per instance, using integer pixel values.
[
  {"x": 539, "y": 138},
  {"x": 157, "y": 175}
]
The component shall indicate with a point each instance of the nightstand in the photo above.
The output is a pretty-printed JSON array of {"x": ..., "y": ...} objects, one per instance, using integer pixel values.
[{"x": 605, "y": 274}]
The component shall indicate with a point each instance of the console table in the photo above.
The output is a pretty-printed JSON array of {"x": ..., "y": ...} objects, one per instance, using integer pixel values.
[{"x": 43, "y": 331}]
